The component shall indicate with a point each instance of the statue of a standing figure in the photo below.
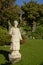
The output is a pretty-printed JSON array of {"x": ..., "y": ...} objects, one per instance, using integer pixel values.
[{"x": 15, "y": 55}]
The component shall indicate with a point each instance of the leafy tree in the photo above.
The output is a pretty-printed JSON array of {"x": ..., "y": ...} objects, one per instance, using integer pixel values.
[
  {"x": 41, "y": 14},
  {"x": 31, "y": 14},
  {"x": 7, "y": 12}
]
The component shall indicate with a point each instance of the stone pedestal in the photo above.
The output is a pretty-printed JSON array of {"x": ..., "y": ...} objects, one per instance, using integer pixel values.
[{"x": 14, "y": 56}]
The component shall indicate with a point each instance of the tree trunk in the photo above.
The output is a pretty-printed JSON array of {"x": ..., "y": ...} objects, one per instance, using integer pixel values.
[{"x": 34, "y": 26}]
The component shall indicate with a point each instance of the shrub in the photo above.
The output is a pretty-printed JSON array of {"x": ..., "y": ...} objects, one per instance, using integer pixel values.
[
  {"x": 4, "y": 36},
  {"x": 38, "y": 34}
]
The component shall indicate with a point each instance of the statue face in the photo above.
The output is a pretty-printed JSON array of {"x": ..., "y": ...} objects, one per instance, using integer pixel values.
[{"x": 15, "y": 23}]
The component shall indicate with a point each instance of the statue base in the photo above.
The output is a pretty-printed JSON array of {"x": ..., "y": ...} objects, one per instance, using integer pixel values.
[{"x": 14, "y": 56}]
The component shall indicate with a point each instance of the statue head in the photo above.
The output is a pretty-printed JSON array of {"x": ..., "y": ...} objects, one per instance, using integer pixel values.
[{"x": 15, "y": 23}]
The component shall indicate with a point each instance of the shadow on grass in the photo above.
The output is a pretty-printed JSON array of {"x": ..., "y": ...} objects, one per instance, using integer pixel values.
[
  {"x": 41, "y": 63},
  {"x": 7, "y": 63},
  {"x": 5, "y": 54}
]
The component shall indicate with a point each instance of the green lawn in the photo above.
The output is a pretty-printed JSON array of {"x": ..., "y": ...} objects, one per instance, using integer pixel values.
[{"x": 32, "y": 53}]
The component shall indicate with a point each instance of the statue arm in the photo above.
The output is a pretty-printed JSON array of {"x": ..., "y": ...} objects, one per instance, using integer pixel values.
[{"x": 10, "y": 27}]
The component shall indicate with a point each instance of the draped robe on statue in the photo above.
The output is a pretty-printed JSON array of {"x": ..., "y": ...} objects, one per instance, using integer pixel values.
[{"x": 15, "y": 43}]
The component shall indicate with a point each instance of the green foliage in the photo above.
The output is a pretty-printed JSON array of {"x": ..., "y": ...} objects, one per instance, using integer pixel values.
[
  {"x": 31, "y": 11},
  {"x": 26, "y": 28},
  {"x": 4, "y": 36},
  {"x": 38, "y": 34},
  {"x": 25, "y": 31},
  {"x": 7, "y": 12}
]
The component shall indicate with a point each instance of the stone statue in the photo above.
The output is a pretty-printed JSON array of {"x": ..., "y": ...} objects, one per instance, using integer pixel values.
[{"x": 15, "y": 55}]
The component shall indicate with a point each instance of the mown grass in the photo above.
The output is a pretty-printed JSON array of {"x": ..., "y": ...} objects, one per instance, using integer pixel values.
[{"x": 32, "y": 53}]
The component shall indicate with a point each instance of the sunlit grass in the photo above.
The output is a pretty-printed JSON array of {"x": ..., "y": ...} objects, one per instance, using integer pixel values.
[{"x": 32, "y": 53}]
